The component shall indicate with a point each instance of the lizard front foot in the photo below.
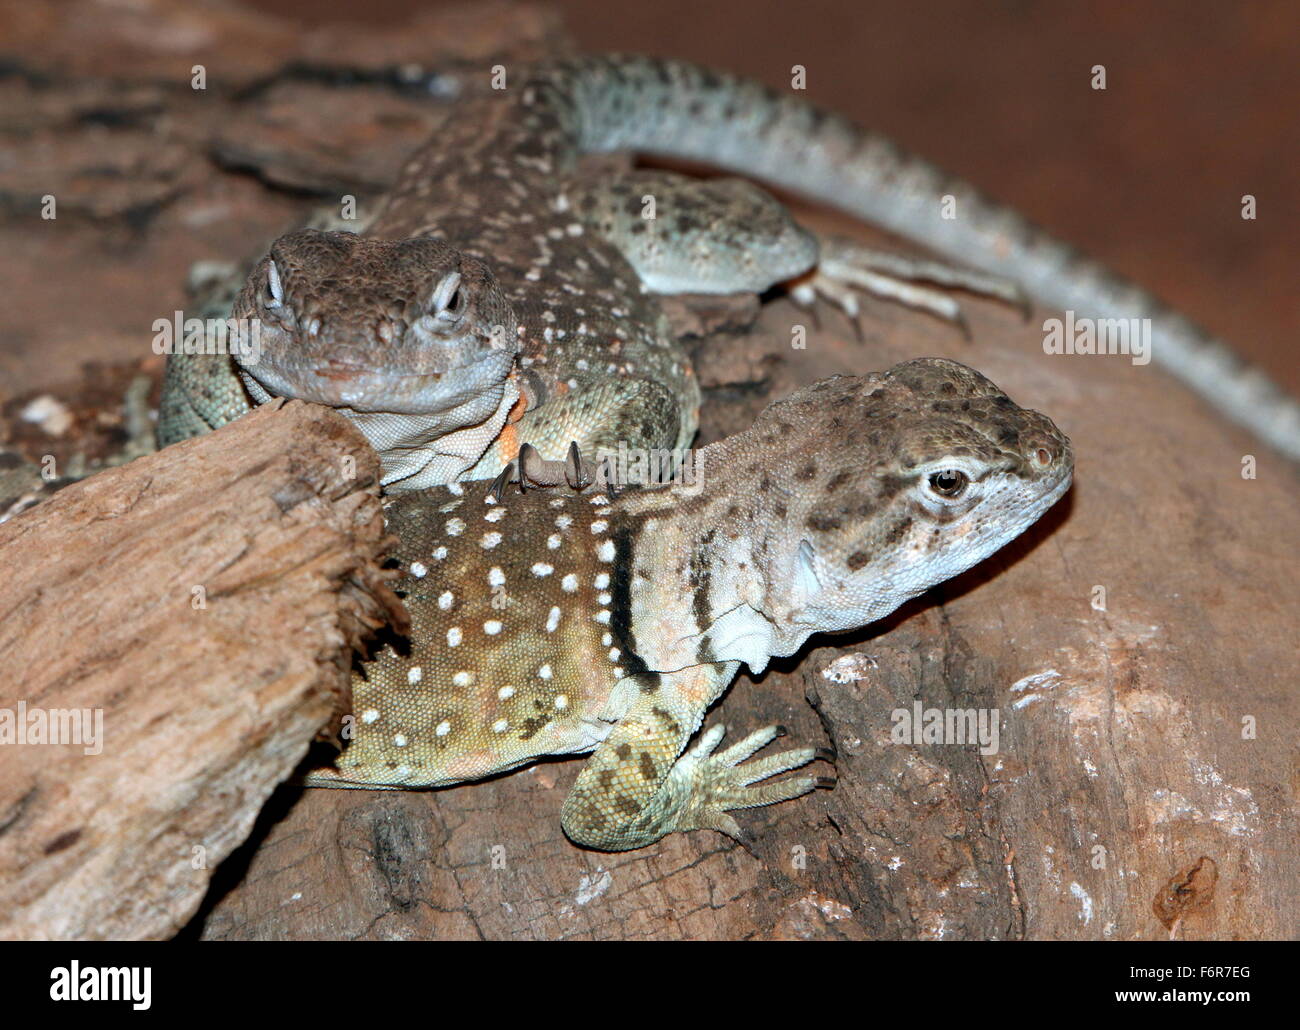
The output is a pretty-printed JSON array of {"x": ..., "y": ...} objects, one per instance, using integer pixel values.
[
  {"x": 847, "y": 268},
  {"x": 639, "y": 785},
  {"x": 717, "y": 784}
]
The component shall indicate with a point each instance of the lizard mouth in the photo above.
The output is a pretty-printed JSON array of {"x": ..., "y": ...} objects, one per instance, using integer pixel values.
[{"x": 342, "y": 384}]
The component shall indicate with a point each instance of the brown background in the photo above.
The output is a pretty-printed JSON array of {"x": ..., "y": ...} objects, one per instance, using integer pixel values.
[{"x": 1199, "y": 110}]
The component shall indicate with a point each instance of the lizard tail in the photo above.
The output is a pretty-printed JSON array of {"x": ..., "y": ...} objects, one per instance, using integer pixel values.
[{"x": 676, "y": 109}]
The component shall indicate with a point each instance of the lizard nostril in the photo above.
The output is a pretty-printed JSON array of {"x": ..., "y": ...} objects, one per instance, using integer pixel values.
[{"x": 1043, "y": 456}]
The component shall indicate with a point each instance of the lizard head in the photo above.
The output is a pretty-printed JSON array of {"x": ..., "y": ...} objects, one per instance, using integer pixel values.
[
  {"x": 889, "y": 484},
  {"x": 407, "y": 326}
]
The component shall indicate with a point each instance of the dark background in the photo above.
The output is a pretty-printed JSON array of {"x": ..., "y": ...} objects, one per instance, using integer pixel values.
[{"x": 1201, "y": 108}]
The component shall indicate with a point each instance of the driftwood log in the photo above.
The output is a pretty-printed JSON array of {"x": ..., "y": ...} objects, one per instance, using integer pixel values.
[
  {"x": 173, "y": 635},
  {"x": 1137, "y": 646}
]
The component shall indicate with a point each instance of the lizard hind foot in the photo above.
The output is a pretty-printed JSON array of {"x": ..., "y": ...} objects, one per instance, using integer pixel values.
[
  {"x": 724, "y": 782},
  {"x": 847, "y": 268}
]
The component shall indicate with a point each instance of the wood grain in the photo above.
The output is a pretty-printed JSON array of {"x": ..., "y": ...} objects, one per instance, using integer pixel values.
[{"x": 201, "y": 602}]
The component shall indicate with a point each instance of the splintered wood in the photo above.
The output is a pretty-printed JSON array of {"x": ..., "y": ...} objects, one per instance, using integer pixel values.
[{"x": 173, "y": 635}]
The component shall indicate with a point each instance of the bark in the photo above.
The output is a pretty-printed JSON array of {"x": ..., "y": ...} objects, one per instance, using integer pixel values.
[{"x": 194, "y": 612}]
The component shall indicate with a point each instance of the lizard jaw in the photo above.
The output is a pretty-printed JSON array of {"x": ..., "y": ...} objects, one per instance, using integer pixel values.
[{"x": 380, "y": 390}]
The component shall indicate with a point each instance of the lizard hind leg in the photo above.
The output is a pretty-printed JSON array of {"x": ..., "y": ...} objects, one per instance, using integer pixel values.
[
  {"x": 686, "y": 236},
  {"x": 636, "y": 789}
]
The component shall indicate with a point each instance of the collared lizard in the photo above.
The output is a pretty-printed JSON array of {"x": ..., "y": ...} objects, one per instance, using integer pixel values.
[
  {"x": 559, "y": 622},
  {"x": 495, "y": 298}
]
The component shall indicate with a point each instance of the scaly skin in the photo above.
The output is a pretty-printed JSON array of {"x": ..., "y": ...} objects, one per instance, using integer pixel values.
[
  {"x": 558, "y": 623},
  {"x": 595, "y": 361}
]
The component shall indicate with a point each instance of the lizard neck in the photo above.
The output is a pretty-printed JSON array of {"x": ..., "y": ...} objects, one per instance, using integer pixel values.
[{"x": 689, "y": 572}]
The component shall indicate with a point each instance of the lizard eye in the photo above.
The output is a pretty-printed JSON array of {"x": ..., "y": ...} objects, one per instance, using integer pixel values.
[
  {"x": 274, "y": 288},
  {"x": 949, "y": 483}
]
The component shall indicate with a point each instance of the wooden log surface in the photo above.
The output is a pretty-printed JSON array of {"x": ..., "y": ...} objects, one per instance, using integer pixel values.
[
  {"x": 173, "y": 635},
  {"x": 1137, "y": 645}
]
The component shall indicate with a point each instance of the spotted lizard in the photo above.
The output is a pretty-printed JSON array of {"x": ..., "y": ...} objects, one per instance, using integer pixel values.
[
  {"x": 559, "y": 622},
  {"x": 497, "y": 297}
]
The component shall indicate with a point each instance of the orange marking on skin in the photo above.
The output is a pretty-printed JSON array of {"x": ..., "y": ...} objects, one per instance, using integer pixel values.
[
  {"x": 517, "y": 410},
  {"x": 508, "y": 442}
]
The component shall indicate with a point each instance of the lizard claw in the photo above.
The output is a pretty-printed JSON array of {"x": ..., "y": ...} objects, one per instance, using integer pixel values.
[
  {"x": 532, "y": 470},
  {"x": 498, "y": 488},
  {"x": 575, "y": 473}
]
